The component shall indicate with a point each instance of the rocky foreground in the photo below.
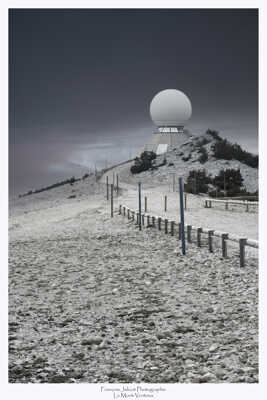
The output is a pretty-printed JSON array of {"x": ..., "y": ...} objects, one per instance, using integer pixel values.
[{"x": 106, "y": 303}]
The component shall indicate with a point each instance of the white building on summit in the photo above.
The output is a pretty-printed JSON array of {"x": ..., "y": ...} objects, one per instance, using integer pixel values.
[{"x": 170, "y": 109}]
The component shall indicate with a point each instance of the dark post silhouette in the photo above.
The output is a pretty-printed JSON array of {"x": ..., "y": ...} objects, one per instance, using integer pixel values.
[
  {"x": 140, "y": 206},
  {"x": 107, "y": 187},
  {"x": 111, "y": 200},
  {"x": 182, "y": 213}
]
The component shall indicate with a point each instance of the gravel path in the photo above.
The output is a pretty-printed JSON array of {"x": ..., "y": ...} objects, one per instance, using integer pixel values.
[{"x": 94, "y": 300}]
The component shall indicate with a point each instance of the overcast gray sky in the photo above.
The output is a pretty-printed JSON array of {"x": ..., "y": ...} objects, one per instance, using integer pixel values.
[{"x": 81, "y": 81}]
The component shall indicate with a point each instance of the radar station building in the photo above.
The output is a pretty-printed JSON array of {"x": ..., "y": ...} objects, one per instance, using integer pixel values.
[{"x": 170, "y": 109}]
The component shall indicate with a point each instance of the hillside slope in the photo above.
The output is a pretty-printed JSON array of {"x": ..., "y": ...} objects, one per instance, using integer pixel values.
[{"x": 184, "y": 159}]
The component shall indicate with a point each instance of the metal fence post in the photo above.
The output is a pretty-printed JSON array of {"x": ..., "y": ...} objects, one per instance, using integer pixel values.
[
  {"x": 145, "y": 204},
  {"x": 182, "y": 214},
  {"x": 107, "y": 187},
  {"x": 111, "y": 200},
  {"x": 140, "y": 206}
]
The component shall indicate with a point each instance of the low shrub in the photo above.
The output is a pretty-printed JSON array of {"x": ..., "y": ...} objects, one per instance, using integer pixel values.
[
  {"x": 198, "y": 181},
  {"x": 229, "y": 180},
  {"x": 144, "y": 162},
  {"x": 202, "y": 141},
  {"x": 228, "y": 151},
  {"x": 55, "y": 185},
  {"x": 203, "y": 155},
  {"x": 214, "y": 134}
]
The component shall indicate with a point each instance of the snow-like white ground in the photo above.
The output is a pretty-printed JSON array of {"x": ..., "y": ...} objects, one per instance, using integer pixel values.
[
  {"x": 92, "y": 299},
  {"x": 235, "y": 220}
]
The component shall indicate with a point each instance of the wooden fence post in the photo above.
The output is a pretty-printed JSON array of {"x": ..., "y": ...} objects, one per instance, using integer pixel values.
[
  {"x": 242, "y": 244},
  {"x": 128, "y": 213},
  {"x": 224, "y": 244},
  {"x": 165, "y": 203},
  {"x": 120, "y": 209},
  {"x": 199, "y": 230},
  {"x": 145, "y": 204},
  {"x": 189, "y": 230},
  {"x": 153, "y": 221},
  {"x": 185, "y": 201},
  {"x": 159, "y": 223},
  {"x": 172, "y": 228},
  {"x": 117, "y": 176},
  {"x": 148, "y": 220},
  {"x": 210, "y": 234},
  {"x": 166, "y": 226}
]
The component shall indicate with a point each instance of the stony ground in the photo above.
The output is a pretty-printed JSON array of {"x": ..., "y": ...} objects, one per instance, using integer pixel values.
[{"x": 92, "y": 299}]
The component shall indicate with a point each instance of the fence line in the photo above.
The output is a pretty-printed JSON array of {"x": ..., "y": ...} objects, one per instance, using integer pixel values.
[
  {"x": 155, "y": 221},
  {"x": 246, "y": 203},
  {"x": 108, "y": 186}
]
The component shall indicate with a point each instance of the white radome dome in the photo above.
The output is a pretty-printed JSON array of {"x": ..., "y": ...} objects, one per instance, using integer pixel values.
[{"x": 170, "y": 107}]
